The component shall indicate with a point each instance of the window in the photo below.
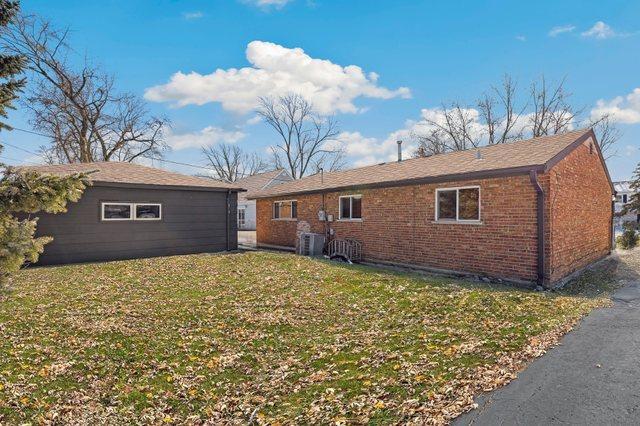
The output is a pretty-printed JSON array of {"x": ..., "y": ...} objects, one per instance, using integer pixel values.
[
  {"x": 458, "y": 204},
  {"x": 241, "y": 217},
  {"x": 285, "y": 209},
  {"x": 148, "y": 211},
  {"x": 131, "y": 211},
  {"x": 116, "y": 211},
  {"x": 624, "y": 198},
  {"x": 350, "y": 207}
]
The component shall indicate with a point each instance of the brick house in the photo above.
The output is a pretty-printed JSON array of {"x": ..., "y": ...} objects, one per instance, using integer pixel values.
[
  {"x": 527, "y": 211},
  {"x": 254, "y": 183}
]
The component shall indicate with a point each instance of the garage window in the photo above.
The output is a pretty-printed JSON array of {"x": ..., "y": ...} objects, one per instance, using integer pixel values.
[
  {"x": 148, "y": 211},
  {"x": 116, "y": 211}
]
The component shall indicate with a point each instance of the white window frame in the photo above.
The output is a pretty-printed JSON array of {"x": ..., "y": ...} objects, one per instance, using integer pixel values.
[
  {"x": 119, "y": 219},
  {"x": 457, "y": 219},
  {"x": 135, "y": 212},
  {"x": 132, "y": 210},
  {"x": 349, "y": 219},
  {"x": 244, "y": 216},
  {"x": 273, "y": 210}
]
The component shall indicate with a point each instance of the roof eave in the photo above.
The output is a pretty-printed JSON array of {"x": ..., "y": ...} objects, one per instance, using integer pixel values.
[
  {"x": 159, "y": 186},
  {"x": 484, "y": 174}
]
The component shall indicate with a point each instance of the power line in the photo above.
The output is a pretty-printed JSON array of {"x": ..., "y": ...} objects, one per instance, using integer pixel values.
[
  {"x": 21, "y": 149},
  {"x": 179, "y": 163}
]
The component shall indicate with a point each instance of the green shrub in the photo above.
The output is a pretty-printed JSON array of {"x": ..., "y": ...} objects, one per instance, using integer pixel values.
[{"x": 629, "y": 238}]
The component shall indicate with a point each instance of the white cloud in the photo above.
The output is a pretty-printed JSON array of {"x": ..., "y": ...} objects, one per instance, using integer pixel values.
[
  {"x": 268, "y": 3},
  {"x": 192, "y": 15},
  {"x": 521, "y": 38},
  {"x": 253, "y": 120},
  {"x": 555, "y": 31},
  {"x": 208, "y": 136},
  {"x": 276, "y": 70},
  {"x": 362, "y": 150},
  {"x": 622, "y": 109},
  {"x": 600, "y": 30}
]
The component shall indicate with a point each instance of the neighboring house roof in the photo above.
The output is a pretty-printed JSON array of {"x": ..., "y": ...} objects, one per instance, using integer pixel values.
[
  {"x": 495, "y": 160},
  {"x": 260, "y": 181},
  {"x": 622, "y": 186},
  {"x": 129, "y": 174}
]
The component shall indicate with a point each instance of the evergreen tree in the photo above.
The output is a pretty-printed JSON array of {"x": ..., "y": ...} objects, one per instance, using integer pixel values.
[
  {"x": 10, "y": 66},
  {"x": 24, "y": 192},
  {"x": 633, "y": 204}
]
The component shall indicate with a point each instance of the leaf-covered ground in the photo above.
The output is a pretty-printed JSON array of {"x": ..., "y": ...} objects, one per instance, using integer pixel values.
[{"x": 262, "y": 338}]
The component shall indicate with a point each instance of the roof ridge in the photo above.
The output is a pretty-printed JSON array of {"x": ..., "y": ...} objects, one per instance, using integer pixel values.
[
  {"x": 483, "y": 147},
  {"x": 515, "y": 155}
]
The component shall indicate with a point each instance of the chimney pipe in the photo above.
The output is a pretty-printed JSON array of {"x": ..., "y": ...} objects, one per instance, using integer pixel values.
[{"x": 399, "y": 151}]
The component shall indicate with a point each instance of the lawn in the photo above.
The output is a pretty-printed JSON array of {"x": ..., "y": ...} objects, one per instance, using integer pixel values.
[{"x": 264, "y": 338}]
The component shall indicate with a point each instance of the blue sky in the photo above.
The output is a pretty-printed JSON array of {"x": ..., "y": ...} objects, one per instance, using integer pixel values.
[{"x": 433, "y": 51}]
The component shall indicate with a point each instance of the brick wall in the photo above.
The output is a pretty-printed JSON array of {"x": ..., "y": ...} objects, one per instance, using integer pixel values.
[
  {"x": 580, "y": 203},
  {"x": 398, "y": 226},
  {"x": 398, "y": 223}
]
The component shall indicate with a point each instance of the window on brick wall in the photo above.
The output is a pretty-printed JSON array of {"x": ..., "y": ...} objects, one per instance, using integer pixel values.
[
  {"x": 285, "y": 209},
  {"x": 350, "y": 207},
  {"x": 458, "y": 204}
]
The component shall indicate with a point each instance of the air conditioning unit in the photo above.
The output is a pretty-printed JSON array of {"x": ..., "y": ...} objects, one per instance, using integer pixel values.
[{"x": 311, "y": 244}]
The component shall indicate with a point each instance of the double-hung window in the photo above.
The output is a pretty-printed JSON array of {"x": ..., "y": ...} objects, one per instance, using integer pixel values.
[
  {"x": 350, "y": 207},
  {"x": 285, "y": 209},
  {"x": 458, "y": 204},
  {"x": 241, "y": 216},
  {"x": 117, "y": 211}
]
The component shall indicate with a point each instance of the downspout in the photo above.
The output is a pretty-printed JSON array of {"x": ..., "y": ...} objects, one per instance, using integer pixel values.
[
  {"x": 612, "y": 242},
  {"x": 540, "y": 225},
  {"x": 227, "y": 217}
]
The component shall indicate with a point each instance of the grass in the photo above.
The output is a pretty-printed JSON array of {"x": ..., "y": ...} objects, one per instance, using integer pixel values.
[{"x": 261, "y": 337}]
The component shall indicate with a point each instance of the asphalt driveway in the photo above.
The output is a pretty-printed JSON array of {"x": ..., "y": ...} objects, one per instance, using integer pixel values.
[{"x": 592, "y": 378}]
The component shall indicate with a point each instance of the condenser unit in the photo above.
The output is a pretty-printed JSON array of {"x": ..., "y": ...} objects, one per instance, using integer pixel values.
[{"x": 311, "y": 244}]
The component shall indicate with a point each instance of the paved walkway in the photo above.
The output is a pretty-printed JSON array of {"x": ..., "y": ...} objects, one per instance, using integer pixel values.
[{"x": 592, "y": 378}]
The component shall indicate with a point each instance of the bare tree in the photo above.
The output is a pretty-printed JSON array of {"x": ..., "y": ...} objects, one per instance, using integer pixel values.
[
  {"x": 231, "y": 163},
  {"x": 500, "y": 114},
  {"x": 552, "y": 111},
  {"x": 78, "y": 107},
  {"x": 500, "y": 117},
  {"x": 606, "y": 133},
  {"x": 453, "y": 129},
  {"x": 306, "y": 137}
]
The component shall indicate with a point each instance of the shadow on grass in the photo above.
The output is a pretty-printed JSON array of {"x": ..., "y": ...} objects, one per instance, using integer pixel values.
[{"x": 599, "y": 280}]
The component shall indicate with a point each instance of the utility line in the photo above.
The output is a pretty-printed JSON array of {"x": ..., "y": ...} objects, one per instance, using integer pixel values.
[{"x": 179, "y": 163}]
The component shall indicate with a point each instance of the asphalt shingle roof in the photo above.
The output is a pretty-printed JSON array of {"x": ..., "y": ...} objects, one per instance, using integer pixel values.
[
  {"x": 531, "y": 153},
  {"x": 129, "y": 173},
  {"x": 258, "y": 181}
]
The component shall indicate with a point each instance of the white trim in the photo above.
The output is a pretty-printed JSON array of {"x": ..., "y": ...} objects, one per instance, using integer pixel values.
[
  {"x": 273, "y": 210},
  {"x": 457, "y": 219},
  {"x": 350, "y": 218},
  {"x": 105, "y": 219},
  {"x": 132, "y": 212},
  {"x": 135, "y": 213}
]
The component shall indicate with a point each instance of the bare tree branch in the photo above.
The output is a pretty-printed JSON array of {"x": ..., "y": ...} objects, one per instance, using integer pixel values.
[
  {"x": 499, "y": 117},
  {"x": 231, "y": 163},
  {"x": 304, "y": 135},
  {"x": 78, "y": 107},
  {"x": 607, "y": 134}
]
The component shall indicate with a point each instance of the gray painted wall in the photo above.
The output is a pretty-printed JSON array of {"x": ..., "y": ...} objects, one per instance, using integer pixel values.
[
  {"x": 249, "y": 214},
  {"x": 192, "y": 222}
]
